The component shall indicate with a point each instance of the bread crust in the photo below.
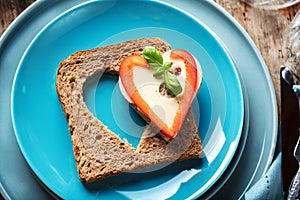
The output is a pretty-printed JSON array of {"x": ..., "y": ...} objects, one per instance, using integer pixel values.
[{"x": 98, "y": 151}]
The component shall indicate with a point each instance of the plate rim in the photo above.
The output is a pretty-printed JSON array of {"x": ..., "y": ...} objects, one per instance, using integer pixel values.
[
  {"x": 267, "y": 76},
  {"x": 271, "y": 91},
  {"x": 5, "y": 40}
]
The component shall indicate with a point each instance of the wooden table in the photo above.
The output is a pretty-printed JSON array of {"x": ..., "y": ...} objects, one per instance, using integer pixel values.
[{"x": 264, "y": 27}]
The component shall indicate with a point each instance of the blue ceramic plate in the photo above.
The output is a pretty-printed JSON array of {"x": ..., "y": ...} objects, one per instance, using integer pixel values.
[
  {"x": 243, "y": 171},
  {"x": 41, "y": 127}
]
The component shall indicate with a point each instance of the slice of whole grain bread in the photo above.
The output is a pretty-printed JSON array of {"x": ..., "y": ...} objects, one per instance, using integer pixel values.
[{"x": 98, "y": 151}]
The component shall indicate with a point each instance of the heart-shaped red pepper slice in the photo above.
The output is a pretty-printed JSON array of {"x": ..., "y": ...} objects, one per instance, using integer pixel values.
[{"x": 182, "y": 101}]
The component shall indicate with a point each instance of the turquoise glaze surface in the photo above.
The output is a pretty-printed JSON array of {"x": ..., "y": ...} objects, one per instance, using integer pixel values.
[{"x": 41, "y": 128}]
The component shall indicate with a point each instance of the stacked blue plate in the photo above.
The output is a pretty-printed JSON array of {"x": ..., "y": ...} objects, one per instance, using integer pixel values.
[{"x": 238, "y": 144}]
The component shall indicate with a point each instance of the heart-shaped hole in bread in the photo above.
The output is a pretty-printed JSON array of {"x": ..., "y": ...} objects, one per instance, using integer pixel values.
[{"x": 105, "y": 100}]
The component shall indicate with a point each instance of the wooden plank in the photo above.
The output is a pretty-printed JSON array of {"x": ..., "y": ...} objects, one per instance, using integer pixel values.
[{"x": 9, "y": 10}]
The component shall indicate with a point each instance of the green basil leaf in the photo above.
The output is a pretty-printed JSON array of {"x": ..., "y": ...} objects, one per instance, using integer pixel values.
[
  {"x": 167, "y": 65},
  {"x": 153, "y": 56},
  {"x": 172, "y": 84},
  {"x": 158, "y": 72}
]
